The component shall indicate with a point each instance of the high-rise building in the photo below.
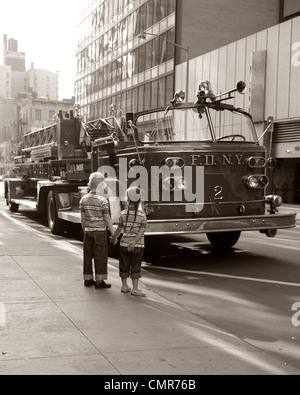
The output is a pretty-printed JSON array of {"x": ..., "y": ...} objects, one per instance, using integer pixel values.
[
  {"x": 5, "y": 81},
  {"x": 16, "y": 61},
  {"x": 115, "y": 66},
  {"x": 44, "y": 83},
  {"x": 11, "y": 56},
  {"x": 28, "y": 99}
]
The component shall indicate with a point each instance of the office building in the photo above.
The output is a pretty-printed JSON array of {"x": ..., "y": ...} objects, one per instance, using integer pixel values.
[
  {"x": 116, "y": 67},
  {"x": 5, "y": 81},
  {"x": 269, "y": 62},
  {"x": 11, "y": 56}
]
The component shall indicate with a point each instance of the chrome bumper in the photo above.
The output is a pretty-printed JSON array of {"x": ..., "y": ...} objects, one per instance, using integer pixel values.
[{"x": 225, "y": 224}]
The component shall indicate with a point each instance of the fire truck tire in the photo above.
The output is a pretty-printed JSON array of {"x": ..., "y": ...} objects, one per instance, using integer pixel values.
[
  {"x": 223, "y": 240},
  {"x": 54, "y": 223},
  {"x": 13, "y": 207}
]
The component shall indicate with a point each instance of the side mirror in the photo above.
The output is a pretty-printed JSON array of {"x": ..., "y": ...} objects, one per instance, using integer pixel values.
[{"x": 269, "y": 128}]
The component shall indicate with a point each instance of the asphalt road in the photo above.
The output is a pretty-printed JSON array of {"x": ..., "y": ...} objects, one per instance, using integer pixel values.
[
  {"x": 252, "y": 292},
  {"x": 249, "y": 292}
]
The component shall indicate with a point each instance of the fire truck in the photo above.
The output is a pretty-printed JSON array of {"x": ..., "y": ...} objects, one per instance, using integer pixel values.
[
  {"x": 53, "y": 168},
  {"x": 200, "y": 168}
]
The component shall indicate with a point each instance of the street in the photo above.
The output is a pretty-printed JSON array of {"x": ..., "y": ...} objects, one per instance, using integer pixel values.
[
  {"x": 248, "y": 292},
  {"x": 251, "y": 292}
]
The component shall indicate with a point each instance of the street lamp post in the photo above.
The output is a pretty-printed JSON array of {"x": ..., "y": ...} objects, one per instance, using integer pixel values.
[{"x": 142, "y": 36}]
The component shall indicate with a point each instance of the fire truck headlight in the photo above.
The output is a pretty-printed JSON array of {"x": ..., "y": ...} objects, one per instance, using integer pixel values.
[
  {"x": 275, "y": 200},
  {"x": 272, "y": 163},
  {"x": 169, "y": 163},
  {"x": 256, "y": 182},
  {"x": 259, "y": 181},
  {"x": 252, "y": 182},
  {"x": 180, "y": 163},
  {"x": 178, "y": 97},
  {"x": 263, "y": 181},
  {"x": 174, "y": 162},
  {"x": 256, "y": 162}
]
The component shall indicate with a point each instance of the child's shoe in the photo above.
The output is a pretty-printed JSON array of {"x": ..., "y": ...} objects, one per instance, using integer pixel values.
[
  {"x": 89, "y": 283},
  {"x": 102, "y": 285},
  {"x": 125, "y": 290},
  {"x": 138, "y": 292}
]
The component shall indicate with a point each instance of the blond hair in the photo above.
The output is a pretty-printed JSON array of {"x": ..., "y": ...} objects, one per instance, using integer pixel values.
[{"x": 95, "y": 179}]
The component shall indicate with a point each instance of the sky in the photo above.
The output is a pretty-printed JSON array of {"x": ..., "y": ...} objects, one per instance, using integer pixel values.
[{"x": 46, "y": 32}]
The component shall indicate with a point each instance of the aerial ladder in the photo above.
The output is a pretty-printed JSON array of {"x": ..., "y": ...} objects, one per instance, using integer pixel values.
[{"x": 53, "y": 168}]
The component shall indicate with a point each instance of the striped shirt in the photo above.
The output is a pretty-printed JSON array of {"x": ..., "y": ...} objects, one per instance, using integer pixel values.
[
  {"x": 131, "y": 227},
  {"x": 94, "y": 207}
]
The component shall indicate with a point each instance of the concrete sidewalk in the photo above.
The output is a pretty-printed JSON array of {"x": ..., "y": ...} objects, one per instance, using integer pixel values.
[{"x": 51, "y": 325}]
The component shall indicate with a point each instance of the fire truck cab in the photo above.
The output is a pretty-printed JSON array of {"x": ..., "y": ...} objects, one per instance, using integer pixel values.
[{"x": 200, "y": 168}]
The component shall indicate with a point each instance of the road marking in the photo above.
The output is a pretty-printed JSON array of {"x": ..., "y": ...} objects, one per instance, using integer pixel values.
[{"x": 220, "y": 275}]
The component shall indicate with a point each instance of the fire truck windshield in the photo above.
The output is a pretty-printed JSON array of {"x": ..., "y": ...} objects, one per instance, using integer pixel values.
[{"x": 197, "y": 123}]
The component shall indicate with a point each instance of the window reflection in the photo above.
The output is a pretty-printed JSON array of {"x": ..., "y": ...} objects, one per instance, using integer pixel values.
[{"x": 107, "y": 54}]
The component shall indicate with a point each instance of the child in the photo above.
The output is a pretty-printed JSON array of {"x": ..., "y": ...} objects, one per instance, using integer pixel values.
[
  {"x": 95, "y": 219},
  {"x": 133, "y": 223}
]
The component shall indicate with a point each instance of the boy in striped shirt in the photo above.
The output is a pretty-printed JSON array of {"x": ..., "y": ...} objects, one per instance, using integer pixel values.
[{"x": 95, "y": 219}]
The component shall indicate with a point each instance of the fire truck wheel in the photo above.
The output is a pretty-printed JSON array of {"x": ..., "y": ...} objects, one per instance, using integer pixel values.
[
  {"x": 223, "y": 240},
  {"x": 13, "y": 207},
  {"x": 54, "y": 223}
]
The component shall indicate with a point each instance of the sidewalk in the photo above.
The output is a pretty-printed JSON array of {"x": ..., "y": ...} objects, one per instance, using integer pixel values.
[{"x": 50, "y": 324}]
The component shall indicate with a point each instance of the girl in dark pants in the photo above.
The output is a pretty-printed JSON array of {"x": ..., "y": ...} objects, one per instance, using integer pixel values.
[{"x": 132, "y": 223}]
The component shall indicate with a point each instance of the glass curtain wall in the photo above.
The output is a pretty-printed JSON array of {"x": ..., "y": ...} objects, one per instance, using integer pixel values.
[{"x": 114, "y": 66}]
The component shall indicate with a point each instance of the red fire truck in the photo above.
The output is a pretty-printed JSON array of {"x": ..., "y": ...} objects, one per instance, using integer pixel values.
[{"x": 200, "y": 166}]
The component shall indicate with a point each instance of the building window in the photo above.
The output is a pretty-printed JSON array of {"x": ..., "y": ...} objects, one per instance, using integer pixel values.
[
  {"x": 38, "y": 115},
  {"x": 289, "y": 9},
  {"x": 51, "y": 115},
  {"x": 108, "y": 42}
]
